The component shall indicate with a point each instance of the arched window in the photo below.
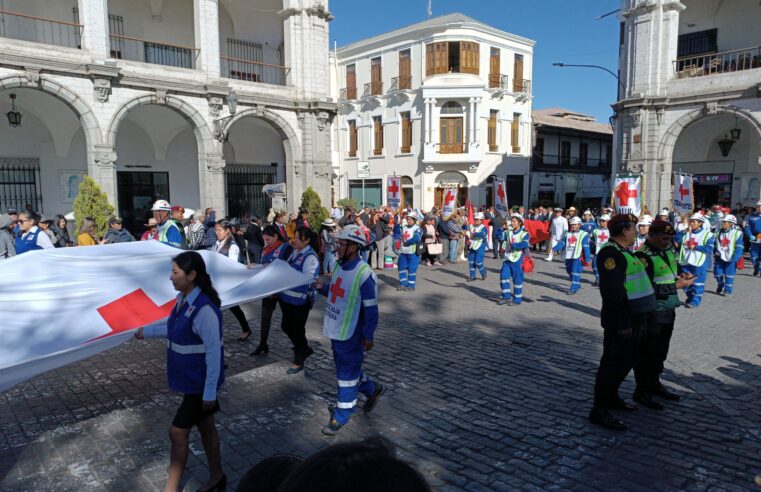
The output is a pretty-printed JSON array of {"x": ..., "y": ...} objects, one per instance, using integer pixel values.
[
  {"x": 452, "y": 108},
  {"x": 407, "y": 190}
]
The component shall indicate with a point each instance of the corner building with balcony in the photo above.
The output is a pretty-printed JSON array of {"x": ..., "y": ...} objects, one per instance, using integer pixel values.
[
  {"x": 200, "y": 102},
  {"x": 692, "y": 101},
  {"x": 442, "y": 103}
]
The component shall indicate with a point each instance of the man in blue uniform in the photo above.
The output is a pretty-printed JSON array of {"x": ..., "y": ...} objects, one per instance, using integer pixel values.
[
  {"x": 408, "y": 261},
  {"x": 168, "y": 231},
  {"x": 477, "y": 251},
  {"x": 351, "y": 317},
  {"x": 753, "y": 232},
  {"x": 517, "y": 243},
  {"x": 695, "y": 248},
  {"x": 728, "y": 251},
  {"x": 588, "y": 223},
  {"x": 599, "y": 237},
  {"x": 576, "y": 245}
]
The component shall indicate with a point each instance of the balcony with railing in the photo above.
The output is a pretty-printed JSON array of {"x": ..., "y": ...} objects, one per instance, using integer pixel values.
[
  {"x": 522, "y": 86},
  {"x": 400, "y": 83},
  {"x": 25, "y": 27},
  {"x": 157, "y": 53},
  {"x": 373, "y": 89},
  {"x": 347, "y": 94},
  {"x": 453, "y": 148},
  {"x": 549, "y": 162},
  {"x": 717, "y": 63},
  {"x": 499, "y": 81},
  {"x": 253, "y": 71}
]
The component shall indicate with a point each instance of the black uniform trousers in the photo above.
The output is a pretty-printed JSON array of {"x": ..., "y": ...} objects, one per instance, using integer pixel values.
[
  {"x": 619, "y": 354},
  {"x": 241, "y": 317},
  {"x": 268, "y": 308},
  {"x": 294, "y": 325},
  {"x": 654, "y": 350}
]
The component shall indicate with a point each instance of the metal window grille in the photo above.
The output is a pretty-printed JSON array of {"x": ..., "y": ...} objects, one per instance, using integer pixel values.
[
  {"x": 240, "y": 51},
  {"x": 244, "y": 183},
  {"x": 115, "y": 26},
  {"x": 20, "y": 183}
]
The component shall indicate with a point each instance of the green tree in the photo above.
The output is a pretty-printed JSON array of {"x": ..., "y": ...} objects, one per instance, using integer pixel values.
[
  {"x": 348, "y": 203},
  {"x": 92, "y": 202},
  {"x": 310, "y": 201}
]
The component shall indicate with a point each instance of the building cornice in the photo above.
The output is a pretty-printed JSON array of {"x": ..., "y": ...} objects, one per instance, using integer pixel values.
[
  {"x": 687, "y": 100},
  {"x": 319, "y": 11}
]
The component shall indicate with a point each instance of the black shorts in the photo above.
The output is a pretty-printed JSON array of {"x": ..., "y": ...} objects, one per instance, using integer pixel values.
[{"x": 191, "y": 411}]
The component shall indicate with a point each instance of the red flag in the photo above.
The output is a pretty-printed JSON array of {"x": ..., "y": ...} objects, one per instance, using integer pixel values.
[
  {"x": 470, "y": 213},
  {"x": 539, "y": 231}
]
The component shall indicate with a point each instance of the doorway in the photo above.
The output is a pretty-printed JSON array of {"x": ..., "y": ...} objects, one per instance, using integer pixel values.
[{"x": 137, "y": 192}]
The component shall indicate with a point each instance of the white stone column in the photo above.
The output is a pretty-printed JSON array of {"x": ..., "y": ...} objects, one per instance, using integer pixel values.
[
  {"x": 476, "y": 120},
  {"x": 212, "y": 182},
  {"x": 101, "y": 167},
  {"x": 427, "y": 121},
  {"x": 93, "y": 15},
  {"x": 434, "y": 122},
  {"x": 206, "y": 23},
  {"x": 471, "y": 125}
]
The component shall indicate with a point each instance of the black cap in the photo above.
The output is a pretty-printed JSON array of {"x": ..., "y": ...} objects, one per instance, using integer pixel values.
[
  {"x": 661, "y": 227},
  {"x": 115, "y": 220},
  {"x": 622, "y": 218}
]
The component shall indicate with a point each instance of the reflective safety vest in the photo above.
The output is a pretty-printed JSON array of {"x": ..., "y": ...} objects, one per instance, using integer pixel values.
[
  {"x": 28, "y": 241},
  {"x": 299, "y": 296},
  {"x": 664, "y": 272},
  {"x": 345, "y": 301},
  {"x": 164, "y": 229},
  {"x": 639, "y": 290},
  {"x": 600, "y": 237},
  {"x": 407, "y": 234},
  {"x": 574, "y": 251},
  {"x": 475, "y": 243},
  {"x": 690, "y": 256},
  {"x": 726, "y": 242},
  {"x": 515, "y": 238}
]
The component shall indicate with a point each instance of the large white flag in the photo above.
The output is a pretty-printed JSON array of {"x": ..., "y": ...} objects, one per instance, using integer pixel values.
[
  {"x": 394, "y": 192},
  {"x": 450, "y": 202},
  {"x": 684, "y": 196},
  {"x": 627, "y": 194},
  {"x": 59, "y": 306},
  {"x": 500, "y": 197}
]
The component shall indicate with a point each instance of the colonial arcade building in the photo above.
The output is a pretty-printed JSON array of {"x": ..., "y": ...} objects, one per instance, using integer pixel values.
[
  {"x": 442, "y": 103},
  {"x": 692, "y": 100},
  {"x": 200, "y": 102}
]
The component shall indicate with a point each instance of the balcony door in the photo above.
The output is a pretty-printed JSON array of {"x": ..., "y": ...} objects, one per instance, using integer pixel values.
[
  {"x": 494, "y": 68},
  {"x": 452, "y": 135},
  {"x": 376, "y": 77},
  {"x": 518, "y": 73}
]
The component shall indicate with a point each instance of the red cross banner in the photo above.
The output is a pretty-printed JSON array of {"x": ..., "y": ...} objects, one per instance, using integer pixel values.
[
  {"x": 394, "y": 192},
  {"x": 60, "y": 306},
  {"x": 449, "y": 203},
  {"x": 500, "y": 197},
  {"x": 684, "y": 196},
  {"x": 627, "y": 194}
]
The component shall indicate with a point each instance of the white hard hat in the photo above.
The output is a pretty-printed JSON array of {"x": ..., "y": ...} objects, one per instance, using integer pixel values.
[
  {"x": 758, "y": 204},
  {"x": 730, "y": 218},
  {"x": 605, "y": 217},
  {"x": 478, "y": 216},
  {"x": 647, "y": 217},
  {"x": 646, "y": 220},
  {"x": 575, "y": 220},
  {"x": 663, "y": 213},
  {"x": 161, "y": 205},
  {"x": 414, "y": 214},
  {"x": 696, "y": 216},
  {"x": 353, "y": 233},
  {"x": 587, "y": 212},
  {"x": 517, "y": 216}
]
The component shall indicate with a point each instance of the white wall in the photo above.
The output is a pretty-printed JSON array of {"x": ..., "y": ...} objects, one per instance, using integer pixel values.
[
  {"x": 737, "y": 21},
  {"x": 174, "y": 27},
  {"x": 253, "y": 21}
]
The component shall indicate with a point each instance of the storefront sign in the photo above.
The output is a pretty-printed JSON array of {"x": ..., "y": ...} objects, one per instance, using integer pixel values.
[
  {"x": 363, "y": 169},
  {"x": 712, "y": 178}
]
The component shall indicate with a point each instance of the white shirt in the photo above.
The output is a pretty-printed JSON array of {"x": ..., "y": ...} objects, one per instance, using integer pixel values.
[
  {"x": 558, "y": 227},
  {"x": 43, "y": 240},
  {"x": 232, "y": 253}
]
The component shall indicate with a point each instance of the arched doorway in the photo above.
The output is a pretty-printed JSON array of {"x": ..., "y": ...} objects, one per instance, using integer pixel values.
[
  {"x": 725, "y": 170},
  {"x": 407, "y": 191},
  {"x": 451, "y": 179},
  {"x": 255, "y": 157}
]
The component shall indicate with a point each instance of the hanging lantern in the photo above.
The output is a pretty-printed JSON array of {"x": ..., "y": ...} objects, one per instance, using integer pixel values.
[
  {"x": 14, "y": 117},
  {"x": 725, "y": 144}
]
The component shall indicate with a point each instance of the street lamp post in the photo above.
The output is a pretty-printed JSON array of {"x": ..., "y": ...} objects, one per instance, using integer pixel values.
[{"x": 620, "y": 84}]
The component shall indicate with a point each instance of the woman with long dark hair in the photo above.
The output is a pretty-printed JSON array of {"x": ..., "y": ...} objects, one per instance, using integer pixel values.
[
  {"x": 227, "y": 246},
  {"x": 195, "y": 365},
  {"x": 297, "y": 302},
  {"x": 275, "y": 248}
]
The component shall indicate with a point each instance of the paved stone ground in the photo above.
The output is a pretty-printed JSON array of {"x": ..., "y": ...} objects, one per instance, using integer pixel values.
[{"x": 481, "y": 397}]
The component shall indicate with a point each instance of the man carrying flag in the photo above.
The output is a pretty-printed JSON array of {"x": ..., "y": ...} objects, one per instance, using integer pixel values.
[{"x": 477, "y": 249}]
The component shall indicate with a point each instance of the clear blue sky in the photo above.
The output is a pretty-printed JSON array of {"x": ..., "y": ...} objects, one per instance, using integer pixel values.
[{"x": 564, "y": 31}]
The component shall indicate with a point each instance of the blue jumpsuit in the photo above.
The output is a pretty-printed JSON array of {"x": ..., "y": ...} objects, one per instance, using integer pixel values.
[
  {"x": 729, "y": 244},
  {"x": 349, "y": 354},
  {"x": 705, "y": 247},
  {"x": 578, "y": 247},
  {"x": 512, "y": 268},
  {"x": 589, "y": 226},
  {"x": 600, "y": 236},
  {"x": 408, "y": 258},
  {"x": 752, "y": 230},
  {"x": 477, "y": 250}
]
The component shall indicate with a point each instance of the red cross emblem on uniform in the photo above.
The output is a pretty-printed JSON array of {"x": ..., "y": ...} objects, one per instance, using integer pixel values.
[
  {"x": 336, "y": 291},
  {"x": 603, "y": 237},
  {"x": 623, "y": 193},
  {"x": 572, "y": 241},
  {"x": 692, "y": 243},
  {"x": 724, "y": 241},
  {"x": 407, "y": 235}
]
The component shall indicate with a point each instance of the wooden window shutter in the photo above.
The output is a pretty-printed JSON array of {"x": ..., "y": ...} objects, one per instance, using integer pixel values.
[
  {"x": 492, "y": 131},
  {"x": 469, "y": 57},
  {"x": 376, "y": 76},
  {"x": 441, "y": 57},
  {"x": 494, "y": 68},
  {"x": 518, "y": 74},
  {"x": 378, "y": 136},
  {"x": 515, "y": 133},
  {"x": 430, "y": 60},
  {"x": 405, "y": 70},
  {"x": 351, "y": 82},
  {"x": 352, "y": 138},
  {"x": 406, "y": 133}
]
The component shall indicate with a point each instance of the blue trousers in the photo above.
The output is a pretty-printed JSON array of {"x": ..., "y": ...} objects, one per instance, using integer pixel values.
[
  {"x": 695, "y": 291},
  {"x": 574, "y": 269},
  {"x": 755, "y": 256},
  {"x": 512, "y": 271},
  {"x": 594, "y": 269},
  {"x": 724, "y": 271},
  {"x": 348, "y": 356},
  {"x": 476, "y": 261},
  {"x": 408, "y": 264},
  {"x": 454, "y": 248}
]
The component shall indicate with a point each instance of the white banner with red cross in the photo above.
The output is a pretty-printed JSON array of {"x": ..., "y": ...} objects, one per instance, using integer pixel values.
[
  {"x": 500, "y": 197},
  {"x": 394, "y": 192},
  {"x": 684, "y": 194},
  {"x": 60, "y": 306},
  {"x": 449, "y": 203},
  {"x": 627, "y": 194}
]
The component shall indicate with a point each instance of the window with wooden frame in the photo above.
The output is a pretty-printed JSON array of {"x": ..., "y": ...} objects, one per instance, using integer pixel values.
[
  {"x": 469, "y": 57},
  {"x": 494, "y": 68},
  {"x": 515, "y": 133},
  {"x": 351, "y": 81},
  {"x": 405, "y": 70},
  {"x": 376, "y": 77},
  {"x": 406, "y": 146},
  {"x": 451, "y": 129},
  {"x": 565, "y": 153},
  {"x": 377, "y": 136},
  {"x": 452, "y": 57},
  {"x": 436, "y": 58},
  {"x": 492, "y": 134},
  {"x": 518, "y": 73},
  {"x": 352, "y": 138}
]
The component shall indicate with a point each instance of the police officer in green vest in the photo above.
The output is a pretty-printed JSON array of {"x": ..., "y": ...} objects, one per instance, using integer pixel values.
[
  {"x": 628, "y": 300},
  {"x": 667, "y": 278}
]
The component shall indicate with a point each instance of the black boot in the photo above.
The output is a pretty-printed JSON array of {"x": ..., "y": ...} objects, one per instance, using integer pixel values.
[
  {"x": 660, "y": 391},
  {"x": 603, "y": 418},
  {"x": 646, "y": 399}
]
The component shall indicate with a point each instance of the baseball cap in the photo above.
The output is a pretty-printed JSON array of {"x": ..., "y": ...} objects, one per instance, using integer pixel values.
[
  {"x": 12, "y": 211},
  {"x": 45, "y": 219},
  {"x": 115, "y": 220},
  {"x": 177, "y": 208},
  {"x": 5, "y": 221}
]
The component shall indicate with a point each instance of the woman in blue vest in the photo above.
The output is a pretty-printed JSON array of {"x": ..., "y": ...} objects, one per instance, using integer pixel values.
[
  {"x": 227, "y": 246},
  {"x": 195, "y": 365},
  {"x": 275, "y": 248},
  {"x": 31, "y": 237},
  {"x": 297, "y": 302}
]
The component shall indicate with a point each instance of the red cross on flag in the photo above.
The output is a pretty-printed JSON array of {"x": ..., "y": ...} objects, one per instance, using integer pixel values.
[
  {"x": 684, "y": 197},
  {"x": 500, "y": 197},
  {"x": 449, "y": 203},
  {"x": 394, "y": 192},
  {"x": 627, "y": 194}
]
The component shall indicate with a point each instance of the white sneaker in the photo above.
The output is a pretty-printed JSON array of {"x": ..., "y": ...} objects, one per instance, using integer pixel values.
[{"x": 549, "y": 258}]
